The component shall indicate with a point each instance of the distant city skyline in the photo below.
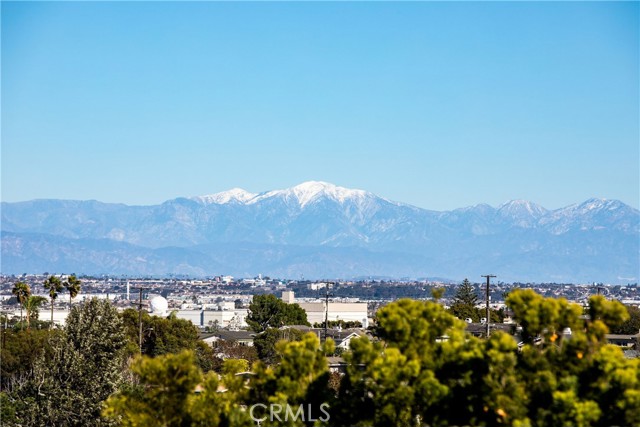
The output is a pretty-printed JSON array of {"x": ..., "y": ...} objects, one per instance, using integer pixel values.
[{"x": 438, "y": 105}]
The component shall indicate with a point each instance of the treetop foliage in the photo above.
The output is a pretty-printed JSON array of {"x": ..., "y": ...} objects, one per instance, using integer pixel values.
[
  {"x": 54, "y": 285},
  {"x": 82, "y": 367},
  {"x": 466, "y": 294},
  {"x": 427, "y": 368},
  {"x": 423, "y": 369},
  {"x": 632, "y": 325},
  {"x": 464, "y": 302},
  {"x": 22, "y": 291},
  {"x": 73, "y": 284},
  {"x": 268, "y": 311},
  {"x": 165, "y": 394}
]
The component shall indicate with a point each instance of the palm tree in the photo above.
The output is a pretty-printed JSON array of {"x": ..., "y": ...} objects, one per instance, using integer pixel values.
[
  {"x": 73, "y": 286},
  {"x": 22, "y": 291},
  {"x": 53, "y": 285},
  {"x": 32, "y": 306}
]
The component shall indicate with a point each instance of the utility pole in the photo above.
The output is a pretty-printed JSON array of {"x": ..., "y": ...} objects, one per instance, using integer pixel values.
[
  {"x": 140, "y": 318},
  {"x": 488, "y": 297},
  {"x": 326, "y": 311}
]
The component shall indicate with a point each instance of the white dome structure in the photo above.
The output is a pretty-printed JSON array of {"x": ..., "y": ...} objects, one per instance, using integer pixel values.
[{"x": 158, "y": 306}]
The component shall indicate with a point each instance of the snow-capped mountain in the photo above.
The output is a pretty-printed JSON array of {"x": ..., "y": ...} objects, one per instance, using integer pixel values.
[
  {"x": 235, "y": 195},
  {"x": 313, "y": 191},
  {"x": 524, "y": 213},
  {"x": 593, "y": 214},
  {"x": 301, "y": 230},
  {"x": 301, "y": 195}
]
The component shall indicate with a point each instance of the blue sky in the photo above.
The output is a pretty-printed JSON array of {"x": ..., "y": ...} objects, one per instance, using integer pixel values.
[{"x": 440, "y": 105}]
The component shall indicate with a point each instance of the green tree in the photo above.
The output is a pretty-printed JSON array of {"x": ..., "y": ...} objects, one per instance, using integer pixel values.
[
  {"x": 571, "y": 376},
  {"x": 231, "y": 350},
  {"x": 466, "y": 294},
  {"x": 167, "y": 384},
  {"x": 426, "y": 367},
  {"x": 7, "y": 410},
  {"x": 172, "y": 391},
  {"x": 54, "y": 285},
  {"x": 85, "y": 366},
  {"x": 300, "y": 380},
  {"x": 630, "y": 326},
  {"x": 265, "y": 343},
  {"x": 421, "y": 369},
  {"x": 32, "y": 307},
  {"x": 73, "y": 284},
  {"x": 206, "y": 358},
  {"x": 22, "y": 291},
  {"x": 268, "y": 311},
  {"x": 160, "y": 335},
  {"x": 166, "y": 335},
  {"x": 464, "y": 302},
  {"x": 437, "y": 293},
  {"x": 20, "y": 351},
  {"x": 425, "y": 370}
]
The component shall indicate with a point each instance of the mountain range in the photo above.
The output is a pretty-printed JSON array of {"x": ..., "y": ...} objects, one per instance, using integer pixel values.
[{"x": 320, "y": 230}]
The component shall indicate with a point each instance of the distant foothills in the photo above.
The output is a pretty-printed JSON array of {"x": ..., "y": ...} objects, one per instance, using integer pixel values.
[{"x": 319, "y": 230}]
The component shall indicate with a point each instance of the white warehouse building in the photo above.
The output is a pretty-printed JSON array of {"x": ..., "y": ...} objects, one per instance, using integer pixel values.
[
  {"x": 316, "y": 311},
  {"x": 222, "y": 318}
]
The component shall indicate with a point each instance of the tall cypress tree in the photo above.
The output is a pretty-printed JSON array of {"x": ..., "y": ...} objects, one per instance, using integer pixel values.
[{"x": 464, "y": 302}]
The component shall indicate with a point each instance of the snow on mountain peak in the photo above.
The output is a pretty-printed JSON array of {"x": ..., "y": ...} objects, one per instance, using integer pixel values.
[
  {"x": 303, "y": 194},
  {"x": 310, "y": 191},
  {"x": 592, "y": 204},
  {"x": 519, "y": 207},
  {"x": 235, "y": 195}
]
